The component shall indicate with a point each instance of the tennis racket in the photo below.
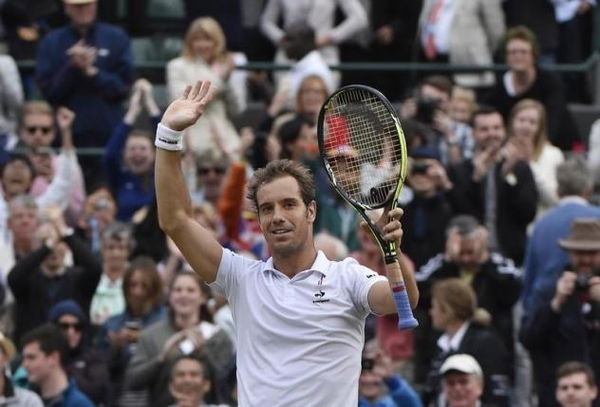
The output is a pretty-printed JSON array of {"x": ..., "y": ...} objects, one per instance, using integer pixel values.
[{"x": 362, "y": 146}]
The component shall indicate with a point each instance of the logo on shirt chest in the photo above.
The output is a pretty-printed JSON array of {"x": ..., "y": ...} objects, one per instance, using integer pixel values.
[{"x": 320, "y": 294}]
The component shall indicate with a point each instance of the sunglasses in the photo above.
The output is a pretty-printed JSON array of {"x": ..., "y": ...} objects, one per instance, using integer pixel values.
[
  {"x": 35, "y": 129},
  {"x": 206, "y": 170},
  {"x": 66, "y": 326}
]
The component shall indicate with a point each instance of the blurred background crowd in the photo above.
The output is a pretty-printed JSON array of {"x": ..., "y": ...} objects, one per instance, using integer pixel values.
[{"x": 501, "y": 223}]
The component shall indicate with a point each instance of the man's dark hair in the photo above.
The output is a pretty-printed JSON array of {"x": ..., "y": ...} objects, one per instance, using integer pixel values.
[
  {"x": 49, "y": 338},
  {"x": 439, "y": 82},
  {"x": 279, "y": 169},
  {"x": 18, "y": 157},
  {"x": 289, "y": 133},
  {"x": 207, "y": 370},
  {"x": 571, "y": 368},
  {"x": 483, "y": 110}
]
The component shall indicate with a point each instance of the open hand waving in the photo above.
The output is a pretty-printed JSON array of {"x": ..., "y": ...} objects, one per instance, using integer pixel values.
[{"x": 187, "y": 109}]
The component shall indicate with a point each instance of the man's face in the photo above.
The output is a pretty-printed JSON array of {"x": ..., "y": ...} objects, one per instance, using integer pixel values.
[
  {"x": 37, "y": 130},
  {"x": 419, "y": 179},
  {"x": 139, "y": 155},
  {"x": 82, "y": 14},
  {"x": 115, "y": 252},
  {"x": 72, "y": 328},
  {"x": 461, "y": 389},
  {"x": 585, "y": 261},
  {"x": 489, "y": 131},
  {"x": 188, "y": 379},
  {"x": 470, "y": 252},
  {"x": 211, "y": 178},
  {"x": 38, "y": 365},
  {"x": 284, "y": 218},
  {"x": 54, "y": 261},
  {"x": 16, "y": 178},
  {"x": 575, "y": 391},
  {"x": 23, "y": 222},
  {"x": 519, "y": 55}
]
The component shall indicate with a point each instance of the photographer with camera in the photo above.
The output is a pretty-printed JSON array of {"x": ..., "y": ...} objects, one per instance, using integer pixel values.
[
  {"x": 379, "y": 386},
  {"x": 430, "y": 108},
  {"x": 566, "y": 324}
]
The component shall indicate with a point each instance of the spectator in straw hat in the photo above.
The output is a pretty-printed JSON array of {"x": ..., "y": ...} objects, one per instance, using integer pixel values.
[
  {"x": 566, "y": 324},
  {"x": 9, "y": 395}
]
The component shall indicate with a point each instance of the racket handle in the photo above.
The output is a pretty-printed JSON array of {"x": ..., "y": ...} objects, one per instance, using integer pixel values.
[{"x": 406, "y": 320}]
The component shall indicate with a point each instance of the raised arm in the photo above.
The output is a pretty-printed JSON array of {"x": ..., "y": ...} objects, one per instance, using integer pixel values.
[{"x": 197, "y": 244}]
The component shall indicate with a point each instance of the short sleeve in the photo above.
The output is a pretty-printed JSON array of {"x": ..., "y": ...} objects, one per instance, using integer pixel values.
[
  {"x": 231, "y": 269},
  {"x": 363, "y": 278}
]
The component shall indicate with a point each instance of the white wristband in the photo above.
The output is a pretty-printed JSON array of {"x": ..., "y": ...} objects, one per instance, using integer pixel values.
[{"x": 168, "y": 139}]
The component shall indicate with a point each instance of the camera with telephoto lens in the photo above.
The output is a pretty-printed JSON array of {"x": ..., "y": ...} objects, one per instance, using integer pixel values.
[
  {"x": 426, "y": 109},
  {"x": 419, "y": 168}
]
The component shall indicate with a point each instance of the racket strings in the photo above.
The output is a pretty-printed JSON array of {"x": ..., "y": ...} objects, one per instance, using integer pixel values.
[{"x": 363, "y": 147}]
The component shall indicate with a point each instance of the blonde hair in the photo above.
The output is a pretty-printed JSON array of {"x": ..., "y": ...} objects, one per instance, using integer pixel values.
[
  {"x": 540, "y": 137},
  {"x": 209, "y": 27},
  {"x": 38, "y": 107},
  {"x": 456, "y": 298}
]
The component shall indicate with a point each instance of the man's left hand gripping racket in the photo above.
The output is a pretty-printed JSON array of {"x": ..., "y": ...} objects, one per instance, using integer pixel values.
[{"x": 364, "y": 152}]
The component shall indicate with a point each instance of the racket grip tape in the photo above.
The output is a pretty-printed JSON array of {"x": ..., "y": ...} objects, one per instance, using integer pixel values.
[{"x": 406, "y": 320}]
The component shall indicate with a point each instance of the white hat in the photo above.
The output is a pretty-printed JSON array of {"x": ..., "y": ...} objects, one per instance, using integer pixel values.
[{"x": 462, "y": 363}]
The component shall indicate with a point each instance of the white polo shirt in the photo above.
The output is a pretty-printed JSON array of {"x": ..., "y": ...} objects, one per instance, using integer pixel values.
[{"x": 299, "y": 340}]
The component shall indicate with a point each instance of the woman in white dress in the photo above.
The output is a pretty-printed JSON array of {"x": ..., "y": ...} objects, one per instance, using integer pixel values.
[{"x": 205, "y": 57}]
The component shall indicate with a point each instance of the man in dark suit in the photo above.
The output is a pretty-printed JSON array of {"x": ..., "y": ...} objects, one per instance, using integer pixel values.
[{"x": 496, "y": 188}]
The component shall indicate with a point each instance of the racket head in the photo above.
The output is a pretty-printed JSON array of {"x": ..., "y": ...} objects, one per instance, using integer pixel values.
[{"x": 362, "y": 146}]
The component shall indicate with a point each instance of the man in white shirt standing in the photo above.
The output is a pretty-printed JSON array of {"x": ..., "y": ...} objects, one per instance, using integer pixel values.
[{"x": 299, "y": 316}]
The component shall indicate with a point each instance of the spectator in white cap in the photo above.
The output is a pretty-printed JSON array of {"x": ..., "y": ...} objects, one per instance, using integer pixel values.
[{"x": 462, "y": 381}]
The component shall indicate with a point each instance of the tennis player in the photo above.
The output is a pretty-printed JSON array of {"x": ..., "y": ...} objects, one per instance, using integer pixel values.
[{"x": 299, "y": 316}]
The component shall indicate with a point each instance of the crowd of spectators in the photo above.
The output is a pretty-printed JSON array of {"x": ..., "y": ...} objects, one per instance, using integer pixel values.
[{"x": 501, "y": 217}]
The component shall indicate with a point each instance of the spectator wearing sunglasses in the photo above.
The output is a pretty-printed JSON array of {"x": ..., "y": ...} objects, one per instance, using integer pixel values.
[
  {"x": 207, "y": 184},
  {"x": 83, "y": 363},
  {"x": 38, "y": 128}
]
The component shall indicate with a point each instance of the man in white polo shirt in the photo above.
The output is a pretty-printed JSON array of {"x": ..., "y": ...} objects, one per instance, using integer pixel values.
[{"x": 299, "y": 316}]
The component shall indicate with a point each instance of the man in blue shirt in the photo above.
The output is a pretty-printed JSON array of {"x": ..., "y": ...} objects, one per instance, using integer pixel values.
[
  {"x": 44, "y": 352},
  {"x": 86, "y": 66}
]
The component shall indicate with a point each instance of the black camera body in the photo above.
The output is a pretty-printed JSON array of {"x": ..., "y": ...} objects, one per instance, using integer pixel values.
[
  {"x": 426, "y": 109},
  {"x": 419, "y": 168}
]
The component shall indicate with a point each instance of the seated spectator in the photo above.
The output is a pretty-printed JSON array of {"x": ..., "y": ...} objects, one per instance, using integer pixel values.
[
  {"x": 528, "y": 141},
  {"x": 297, "y": 138},
  {"x": 427, "y": 210},
  {"x": 42, "y": 278},
  {"x": 462, "y": 105},
  {"x": 18, "y": 173},
  {"x": 525, "y": 80},
  {"x": 191, "y": 379},
  {"x": 11, "y": 100},
  {"x": 99, "y": 211},
  {"x": 379, "y": 386},
  {"x": 453, "y": 311},
  {"x": 108, "y": 299},
  {"x": 129, "y": 155},
  {"x": 205, "y": 57},
  {"x": 37, "y": 133},
  {"x": 142, "y": 288},
  {"x": 576, "y": 385},
  {"x": 13, "y": 396},
  {"x": 545, "y": 259},
  {"x": 562, "y": 325},
  {"x": 87, "y": 67},
  {"x": 452, "y": 140},
  {"x": 207, "y": 178},
  {"x": 462, "y": 381},
  {"x": 83, "y": 364},
  {"x": 494, "y": 278},
  {"x": 495, "y": 187},
  {"x": 44, "y": 358},
  {"x": 185, "y": 329}
]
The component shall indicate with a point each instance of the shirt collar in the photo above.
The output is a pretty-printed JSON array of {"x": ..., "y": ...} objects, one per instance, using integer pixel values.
[
  {"x": 447, "y": 344},
  {"x": 321, "y": 264}
]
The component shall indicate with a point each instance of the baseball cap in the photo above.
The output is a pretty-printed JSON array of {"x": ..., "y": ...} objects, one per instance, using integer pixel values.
[
  {"x": 78, "y": 1},
  {"x": 461, "y": 363}
]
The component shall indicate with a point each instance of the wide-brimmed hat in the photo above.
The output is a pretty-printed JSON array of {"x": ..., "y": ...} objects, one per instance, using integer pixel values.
[
  {"x": 7, "y": 346},
  {"x": 585, "y": 235}
]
